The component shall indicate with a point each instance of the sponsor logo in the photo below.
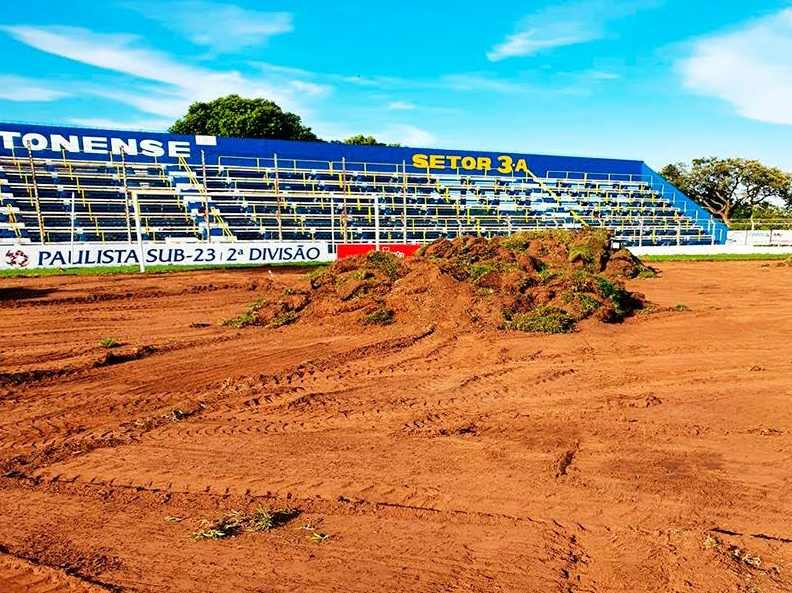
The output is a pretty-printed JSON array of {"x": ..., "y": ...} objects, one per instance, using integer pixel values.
[{"x": 16, "y": 259}]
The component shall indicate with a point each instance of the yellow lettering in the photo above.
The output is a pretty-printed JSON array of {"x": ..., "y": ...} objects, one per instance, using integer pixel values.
[
  {"x": 484, "y": 163},
  {"x": 521, "y": 166},
  {"x": 505, "y": 164},
  {"x": 468, "y": 163},
  {"x": 453, "y": 161},
  {"x": 437, "y": 161},
  {"x": 420, "y": 161}
]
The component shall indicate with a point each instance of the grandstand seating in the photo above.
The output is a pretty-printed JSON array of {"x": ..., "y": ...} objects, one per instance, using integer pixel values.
[{"x": 259, "y": 199}]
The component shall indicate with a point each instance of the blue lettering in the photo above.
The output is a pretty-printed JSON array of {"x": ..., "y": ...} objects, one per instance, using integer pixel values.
[
  {"x": 58, "y": 259},
  {"x": 44, "y": 255}
]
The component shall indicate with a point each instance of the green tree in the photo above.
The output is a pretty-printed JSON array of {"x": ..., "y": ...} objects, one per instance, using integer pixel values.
[
  {"x": 242, "y": 118},
  {"x": 360, "y": 139},
  {"x": 730, "y": 187}
]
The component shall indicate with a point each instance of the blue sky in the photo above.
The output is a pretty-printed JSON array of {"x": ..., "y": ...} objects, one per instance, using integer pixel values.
[{"x": 658, "y": 80}]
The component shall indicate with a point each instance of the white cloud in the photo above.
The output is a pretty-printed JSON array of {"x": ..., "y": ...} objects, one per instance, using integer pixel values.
[
  {"x": 180, "y": 84},
  {"x": 223, "y": 27},
  {"x": 602, "y": 75},
  {"x": 531, "y": 41},
  {"x": 147, "y": 125},
  {"x": 564, "y": 24},
  {"x": 749, "y": 68},
  {"x": 17, "y": 88},
  {"x": 482, "y": 82},
  {"x": 285, "y": 70},
  {"x": 406, "y": 135},
  {"x": 401, "y": 105}
]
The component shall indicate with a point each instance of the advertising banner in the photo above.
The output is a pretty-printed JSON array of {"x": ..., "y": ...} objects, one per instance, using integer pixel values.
[
  {"x": 64, "y": 255},
  {"x": 398, "y": 249},
  {"x": 776, "y": 237}
]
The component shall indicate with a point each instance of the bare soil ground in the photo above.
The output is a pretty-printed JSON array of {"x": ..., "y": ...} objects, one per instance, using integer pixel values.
[{"x": 652, "y": 455}]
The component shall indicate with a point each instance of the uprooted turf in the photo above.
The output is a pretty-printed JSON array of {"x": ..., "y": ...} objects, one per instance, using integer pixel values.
[{"x": 535, "y": 281}]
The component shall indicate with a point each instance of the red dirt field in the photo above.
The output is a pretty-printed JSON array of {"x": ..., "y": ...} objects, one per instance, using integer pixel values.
[{"x": 652, "y": 455}]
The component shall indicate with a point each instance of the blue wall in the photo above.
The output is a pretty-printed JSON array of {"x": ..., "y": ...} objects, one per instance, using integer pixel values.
[
  {"x": 682, "y": 202},
  {"x": 302, "y": 151},
  {"x": 83, "y": 143}
]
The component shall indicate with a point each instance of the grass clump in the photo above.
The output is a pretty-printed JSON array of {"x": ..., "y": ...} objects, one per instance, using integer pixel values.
[
  {"x": 226, "y": 526},
  {"x": 249, "y": 317},
  {"x": 315, "y": 276},
  {"x": 543, "y": 319},
  {"x": 381, "y": 316},
  {"x": 623, "y": 303},
  {"x": 109, "y": 343},
  {"x": 234, "y": 523},
  {"x": 286, "y": 318},
  {"x": 265, "y": 519},
  {"x": 478, "y": 271},
  {"x": 586, "y": 304},
  {"x": 386, "y": 263}
]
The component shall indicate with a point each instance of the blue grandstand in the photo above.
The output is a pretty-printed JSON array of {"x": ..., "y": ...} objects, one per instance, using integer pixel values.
[{"x": 70, "y": 184}]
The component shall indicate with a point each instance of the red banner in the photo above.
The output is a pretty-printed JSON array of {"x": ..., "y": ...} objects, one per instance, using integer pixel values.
[{"x": 398, "y": 249}]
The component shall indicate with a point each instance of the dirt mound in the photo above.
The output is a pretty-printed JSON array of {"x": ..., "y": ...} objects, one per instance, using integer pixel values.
[{"x": 536, "y": 281}]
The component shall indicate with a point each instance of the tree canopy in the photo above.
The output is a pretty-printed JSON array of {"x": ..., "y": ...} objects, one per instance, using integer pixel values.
[
  {"x": 730, "y": 187},
  {"x": 243, "y": 118},
  {"x": 360, "y": 139}
]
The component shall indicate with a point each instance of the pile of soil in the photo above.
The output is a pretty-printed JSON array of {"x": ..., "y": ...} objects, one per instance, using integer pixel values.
[{"x": 533, "y": 281}]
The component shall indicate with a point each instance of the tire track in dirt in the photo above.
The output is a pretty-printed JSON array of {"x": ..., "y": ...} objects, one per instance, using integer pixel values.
[
  {"x": 29, "y": 575},
  {"x": 43, "y": 442}
]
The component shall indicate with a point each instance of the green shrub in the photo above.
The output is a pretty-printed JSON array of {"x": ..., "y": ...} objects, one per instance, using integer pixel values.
[{"x": 109, "y": 343}]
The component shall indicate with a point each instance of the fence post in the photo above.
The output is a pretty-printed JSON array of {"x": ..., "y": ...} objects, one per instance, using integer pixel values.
[
  {"x": 36, "y": 200},
  {"x": 71, "y": 230},
  {"x": 126, "y": 195},
  {"x": 332, "y": 222},
  {"x": 679, "y": 233},
  {"x": 641, "y": 232},
  {"x": 206, "y": 199},
  {"x": 136, "y": 211},
  {"x": 277, "y": 198},
  {"x": 404, "y": 199},
  {"x": 376, "y": 223}
]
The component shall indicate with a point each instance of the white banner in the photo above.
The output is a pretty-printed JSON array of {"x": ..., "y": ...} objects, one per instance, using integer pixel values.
[
  {"x": 777, "y": 237},
  {"x": 81, "y": 255},
  {"x": 781, "y": 238}
]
